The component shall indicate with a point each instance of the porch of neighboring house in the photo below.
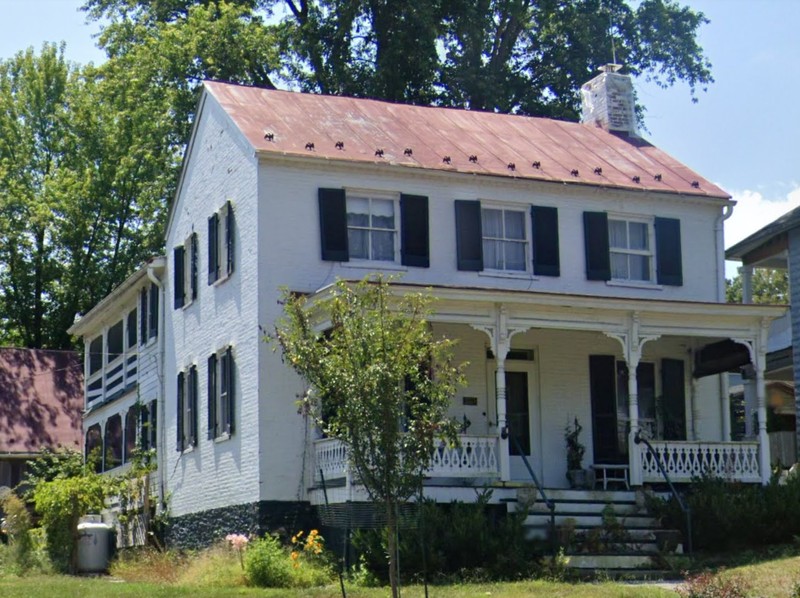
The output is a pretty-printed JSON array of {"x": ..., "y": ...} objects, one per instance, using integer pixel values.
[{"x": 538, "y": 362}]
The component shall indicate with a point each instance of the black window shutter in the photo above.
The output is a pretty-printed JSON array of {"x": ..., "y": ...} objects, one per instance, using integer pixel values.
[
  {"x": 178, "y": 277},
  {"x": 595, "y": 232},
  {"x": 213, "y": 249},
  {"x": 153, "y": 310},
  {"x": 669, "y": 262},
  {"x": 469, "y": 235},
  {"x": 181, "y": 398},
  {"x": 144, "y": 428},
  {"x": 212, "y": 397},
  {"x": 333, "y": 225},
  {"x": 231, "y": 394},
  {"x": 414, "y": 240},
  {"x": 153, "y": 424},
  {"x": 192, "y": 410},
  {"x": 194, "y": 250},
  {"x": 229, "y": 241},
  {"x": 673, "y": 403},
  {"x": 602, "y": 391},
  {"x": 546, "y": 259},
  {"x": 143, "y": 311}
]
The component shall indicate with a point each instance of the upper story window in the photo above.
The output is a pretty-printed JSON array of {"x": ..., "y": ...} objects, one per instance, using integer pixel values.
[
  {"x": 630, "y": 249},
  {"x": 96, "y": 355},
  {"x": 220, "y": 244},
  {"x": 505, "y": 240},
  {"x": 185, "y": 263},
  {"x": 371, "y": 228},
  {"x": 633, "y": 249},
  {"x": 115, "y": 341},
  {"x": 366, "y": 226},
  {"x": 131, "y": 329},
  {"x": 148, "y": 313}
]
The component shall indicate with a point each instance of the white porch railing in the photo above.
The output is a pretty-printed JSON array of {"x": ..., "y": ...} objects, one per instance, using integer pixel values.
[
  {"x": 475, "y": 457},
  {"x": 686, "y": 460}
]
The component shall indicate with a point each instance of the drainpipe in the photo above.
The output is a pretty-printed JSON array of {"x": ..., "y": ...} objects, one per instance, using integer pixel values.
[
  {"x": 162, "y": 439},
  {"x": 723, "y": 377}
]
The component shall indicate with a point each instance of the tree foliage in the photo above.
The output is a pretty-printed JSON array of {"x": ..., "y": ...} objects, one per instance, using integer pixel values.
[
  {"x": 769, "y": 286},
  {"x": 381, "y": 383},
  {"x": 526, "y": 56}
]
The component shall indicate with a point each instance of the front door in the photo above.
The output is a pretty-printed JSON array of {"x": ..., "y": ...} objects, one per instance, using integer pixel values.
[{"x": 522, "y": 418}]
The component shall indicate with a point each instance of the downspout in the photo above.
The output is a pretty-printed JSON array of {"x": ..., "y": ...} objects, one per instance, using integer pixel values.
[
  {"x": 160, "y": 450},
  {"x": 725, "y": 406}
]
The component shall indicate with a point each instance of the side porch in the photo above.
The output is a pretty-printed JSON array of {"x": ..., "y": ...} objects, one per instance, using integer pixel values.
[{"x": 538, "y": 363}]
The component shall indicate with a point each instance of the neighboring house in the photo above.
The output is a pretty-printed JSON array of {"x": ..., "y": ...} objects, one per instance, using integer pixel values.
[
  {"x": 580, "y": 269},
  {"x": 123, "y": 368},
  {"x": 41, "y": 396},
  {"x": 775, "y": 246}
]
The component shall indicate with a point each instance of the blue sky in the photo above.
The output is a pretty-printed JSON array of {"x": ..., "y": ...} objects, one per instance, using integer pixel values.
[{"x": 743, "y": 134}]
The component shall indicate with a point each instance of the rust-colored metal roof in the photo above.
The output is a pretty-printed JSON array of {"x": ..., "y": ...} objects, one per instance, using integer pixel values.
[
  {"x": 287, "y": 123},
  {"x": 41, "y": 399}
]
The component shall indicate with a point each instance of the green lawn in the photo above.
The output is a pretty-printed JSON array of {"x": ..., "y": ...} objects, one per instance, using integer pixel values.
[{"x": 67, "y": 587}]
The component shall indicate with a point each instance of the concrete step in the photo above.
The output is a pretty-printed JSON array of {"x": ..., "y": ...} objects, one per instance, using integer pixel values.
[
  {"x": 589, "y": 520},
  {"x": 609, "y": 561},
  {"x": 582, "y": 507}
]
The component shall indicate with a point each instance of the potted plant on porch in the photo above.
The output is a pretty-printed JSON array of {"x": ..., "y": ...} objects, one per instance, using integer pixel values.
[{"x": 578, "y": 477}]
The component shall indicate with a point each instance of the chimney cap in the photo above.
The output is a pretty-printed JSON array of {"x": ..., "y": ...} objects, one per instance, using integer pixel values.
[{"x": 610, "y": 68}]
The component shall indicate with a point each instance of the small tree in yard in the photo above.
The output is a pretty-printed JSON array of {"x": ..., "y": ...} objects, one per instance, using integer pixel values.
[{"x": 381, "y": 381}]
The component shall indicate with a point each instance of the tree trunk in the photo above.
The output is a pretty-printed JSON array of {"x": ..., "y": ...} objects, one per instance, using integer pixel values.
[{"x": 391, "y": 529}]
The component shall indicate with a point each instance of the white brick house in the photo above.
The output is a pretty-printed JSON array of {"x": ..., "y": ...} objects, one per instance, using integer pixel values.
[{"x": 564, "y": 256}]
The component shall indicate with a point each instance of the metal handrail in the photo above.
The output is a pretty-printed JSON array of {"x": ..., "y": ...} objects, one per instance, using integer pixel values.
[
  {"x": 639, "y": 439},
  {"x": 549, "y": 503}
]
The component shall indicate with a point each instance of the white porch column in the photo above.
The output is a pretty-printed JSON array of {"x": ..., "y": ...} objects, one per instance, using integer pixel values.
[
  {"x": 725, "y": 406},
  {"x": 502, "y": 421},
  {"x": 695, "y": 399},
  {"x": 746, "y": 273},
  {"x": 760, "y": 363}
]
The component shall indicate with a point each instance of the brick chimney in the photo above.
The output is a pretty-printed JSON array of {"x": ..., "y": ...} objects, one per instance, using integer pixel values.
[{"x": 607, "y": 101}]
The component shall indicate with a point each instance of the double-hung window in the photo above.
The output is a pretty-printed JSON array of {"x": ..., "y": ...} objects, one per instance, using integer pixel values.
[
  {"x": 148, "y": 313},
  {"x": 630, "y": 249},
  {"x": 221, "y": 394},
  {"x": 220, "y": 244},
  {"x": 505, "y": 240},
  {"x": 187, "y": 409},
  {"x": 185, "y": 265},
  {"x": 372, "y": 228}
]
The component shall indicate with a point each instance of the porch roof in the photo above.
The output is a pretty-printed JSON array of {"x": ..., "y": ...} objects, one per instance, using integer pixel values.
[{"x": 525, "y": 309}]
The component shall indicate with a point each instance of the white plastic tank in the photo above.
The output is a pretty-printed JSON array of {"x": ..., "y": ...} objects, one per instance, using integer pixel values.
[{"x": 94, "y": 540}]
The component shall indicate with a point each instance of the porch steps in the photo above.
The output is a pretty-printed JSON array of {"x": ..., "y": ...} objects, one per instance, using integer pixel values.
[{"x": 601, "y": 532}]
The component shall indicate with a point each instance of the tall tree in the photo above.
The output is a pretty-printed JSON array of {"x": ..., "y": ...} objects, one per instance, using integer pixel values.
[
  {"x": 382, "y": 384},
  {"x": 524, "y": 56},
  {"x": 769, "y": 286}
]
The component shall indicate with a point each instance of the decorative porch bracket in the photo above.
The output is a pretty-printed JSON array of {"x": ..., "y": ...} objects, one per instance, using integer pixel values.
[
  {"x": 757, "y": 348},
  {"x": 500, "y": 334},
  {"x": 633, "y": 342}
]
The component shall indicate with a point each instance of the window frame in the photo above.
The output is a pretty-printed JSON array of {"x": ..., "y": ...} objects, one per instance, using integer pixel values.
[
  {"x": 370, "y": 196},
  {"x": 221, "y": 244},
  {"x": 650, "y": 253},
  {"x": 524, "y": 210},
  {"x": 221, "y": 394}
]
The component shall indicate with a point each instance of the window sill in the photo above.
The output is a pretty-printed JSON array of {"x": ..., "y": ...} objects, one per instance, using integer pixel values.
[
  {"x": 375, "y": 265},
  {"x": 188, "y": 450},
  {"x": 188, "y": 304},
  {"x": 510, "y": 274},
  {"x": 221, "y": 280},
  {"x": 222, "y": 438},
  {"x": 631, "y": 284}
]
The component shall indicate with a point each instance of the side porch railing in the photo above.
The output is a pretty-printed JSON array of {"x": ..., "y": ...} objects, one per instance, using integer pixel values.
[
  {"x": 684, "y": 460},
  {"x": 475, "y": 457}
]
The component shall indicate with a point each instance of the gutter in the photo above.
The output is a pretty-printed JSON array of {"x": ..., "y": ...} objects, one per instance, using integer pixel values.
[
  {"x": 727, "y": 212},
  {"x": 160, "y": 450}
]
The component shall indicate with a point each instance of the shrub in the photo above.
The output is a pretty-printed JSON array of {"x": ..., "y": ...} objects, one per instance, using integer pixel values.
[
  {"x": 727, "y": 515},
  {"x": 266, "y": 563},
  {"x": 16, "y": 526},
  {"x": 464, "y": 539},
  {"x": 708, "y": 585}
]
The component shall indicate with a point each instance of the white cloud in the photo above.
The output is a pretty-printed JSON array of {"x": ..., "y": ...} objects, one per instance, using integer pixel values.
[{"x": 752, "y": 212}]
